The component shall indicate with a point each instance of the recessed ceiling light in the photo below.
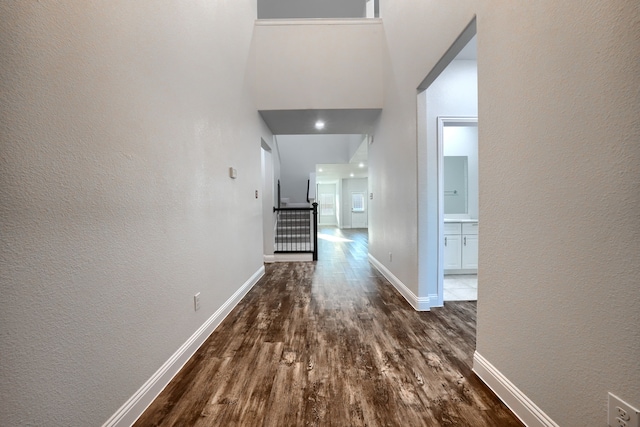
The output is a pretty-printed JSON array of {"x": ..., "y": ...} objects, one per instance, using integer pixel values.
[
  {"x": 351, "y": 175},
  {"x": 319, "y": 125},
  {"x": 361, "y": 165},
  {"x": 320, "y": 170}
]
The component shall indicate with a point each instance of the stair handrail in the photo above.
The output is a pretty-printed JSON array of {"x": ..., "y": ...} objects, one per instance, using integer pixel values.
[{"x": 314, "y": 224}]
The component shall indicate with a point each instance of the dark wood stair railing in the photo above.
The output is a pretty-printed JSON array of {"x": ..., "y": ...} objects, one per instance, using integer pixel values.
[{"x": 297, "y": 230}]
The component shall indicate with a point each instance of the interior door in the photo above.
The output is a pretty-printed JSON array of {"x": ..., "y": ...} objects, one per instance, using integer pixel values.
[
  {"x": 358, "y": 210},
  {"x": 327, "y": 204}
]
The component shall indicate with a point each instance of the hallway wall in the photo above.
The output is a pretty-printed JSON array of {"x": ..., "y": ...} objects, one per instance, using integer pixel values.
[
  {"x": 559, "y": 194},
  {"x": 318, "y": 64},
  {"x": 559, "y": 129},
  {"x": 119, "y": 123}
]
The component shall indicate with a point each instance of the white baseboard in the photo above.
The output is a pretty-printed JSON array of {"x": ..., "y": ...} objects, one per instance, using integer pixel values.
[
  {"x": 523, "y": 407},
  {"x": 433, "y": 301},
  {"x": 140, "y": 401},
  {"x": 418, "y": 303},
  {"x": 461, "y": 271},
  {"x": 292, "y": 257},
  {"x": 268, "y": 259}
]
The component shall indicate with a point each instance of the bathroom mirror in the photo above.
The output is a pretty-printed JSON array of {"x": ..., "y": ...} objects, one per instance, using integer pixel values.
[
  {"x": 459, "y": 175},
  {"x": 456, "y": 184}
]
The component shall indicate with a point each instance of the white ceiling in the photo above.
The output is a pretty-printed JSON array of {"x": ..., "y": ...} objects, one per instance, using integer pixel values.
[
  {"x": 294, "y": 9},
  {"x": 302, "y": 122},
  {"x": 357, "y": 167}
]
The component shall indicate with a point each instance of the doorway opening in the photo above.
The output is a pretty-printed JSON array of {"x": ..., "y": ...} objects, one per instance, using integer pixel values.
[
  {"x": 447, "y": 108},
  {"x": 268, "y": 218},
  {"x": 458, "y": 206}
]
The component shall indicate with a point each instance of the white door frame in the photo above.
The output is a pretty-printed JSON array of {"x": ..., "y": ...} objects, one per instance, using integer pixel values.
[
  {"x": 442, "y": 122},
  {"x": 336, "y": 200}
]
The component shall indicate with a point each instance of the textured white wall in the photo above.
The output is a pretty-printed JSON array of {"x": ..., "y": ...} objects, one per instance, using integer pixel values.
[
  {"x": 119, "y": 123},
  {"x": 318, "y": 64},
  {"x": 559, "y": 300},
  {"x": 559, "y": 191}
]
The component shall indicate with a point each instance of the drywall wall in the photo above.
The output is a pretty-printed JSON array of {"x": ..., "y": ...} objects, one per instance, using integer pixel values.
[
  {"x": 559, "y": 194},
  {"x": 354, "y": 145},
  {"x": 119, "y": 124},
  {"x": 300, "y": 154},
  {"x": 289, "y": 9},
  {"x": 559, "y": 123},
  {"x": 322, "y": 64}
]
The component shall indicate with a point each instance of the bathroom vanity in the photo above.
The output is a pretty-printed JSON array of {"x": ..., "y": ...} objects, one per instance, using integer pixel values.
[
  {"x": 460, "y": 194},
  {"x": 460, "y": 246}
]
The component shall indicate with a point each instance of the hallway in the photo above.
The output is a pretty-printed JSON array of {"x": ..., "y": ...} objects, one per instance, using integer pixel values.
[{"x": 332, "y": 344}]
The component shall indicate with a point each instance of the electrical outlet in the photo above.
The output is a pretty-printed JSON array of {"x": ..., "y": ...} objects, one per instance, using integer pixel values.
[
  {"x": 621, "y": 414},
  {"x": 196, "y": 302},
  {"x": 620, "y": 423}
]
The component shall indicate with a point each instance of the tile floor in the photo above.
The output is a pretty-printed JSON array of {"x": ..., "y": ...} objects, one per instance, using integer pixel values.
[{"x": 460, "y": 287}]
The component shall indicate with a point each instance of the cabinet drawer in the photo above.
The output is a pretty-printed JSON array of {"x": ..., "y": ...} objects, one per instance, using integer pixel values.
[
  {"x": 470, "y": 228},
  {"x": 452, "y": 228}
]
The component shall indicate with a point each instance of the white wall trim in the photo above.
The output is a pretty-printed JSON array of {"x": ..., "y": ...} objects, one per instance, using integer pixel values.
[
  {"x": 140, "y": 401},
  {"x": 418, "y": 303},
  {"x": 302, "y": 257},
  {"x": 433, "y": 301},
  {"x": 523, "y": 407},
  {"x": 268, "y": 259}
]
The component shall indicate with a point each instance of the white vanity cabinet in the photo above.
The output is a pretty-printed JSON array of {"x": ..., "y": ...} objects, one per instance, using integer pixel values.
[
  {"x": 470, "y": 246},
  {"x": 452, "y": 246},
  {"x": 461, "y": 247}
]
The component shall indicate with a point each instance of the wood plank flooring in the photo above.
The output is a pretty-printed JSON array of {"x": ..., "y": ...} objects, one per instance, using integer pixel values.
[{"x": 332, "y": 343}]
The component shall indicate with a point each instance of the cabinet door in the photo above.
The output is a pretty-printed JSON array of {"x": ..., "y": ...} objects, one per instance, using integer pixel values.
[
  {"x": 452, "y": 251},
  {"x": 470, "y": 251}
]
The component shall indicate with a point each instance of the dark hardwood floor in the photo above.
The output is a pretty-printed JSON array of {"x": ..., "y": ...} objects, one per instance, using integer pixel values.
[{"x": 332, "y": 343}]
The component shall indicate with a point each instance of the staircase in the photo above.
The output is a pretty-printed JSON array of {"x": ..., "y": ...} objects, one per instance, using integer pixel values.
[{"x": 296, "y": 230}]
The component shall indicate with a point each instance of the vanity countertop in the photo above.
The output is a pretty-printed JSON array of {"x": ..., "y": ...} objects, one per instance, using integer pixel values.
[{"x": 460, "y": 220}]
